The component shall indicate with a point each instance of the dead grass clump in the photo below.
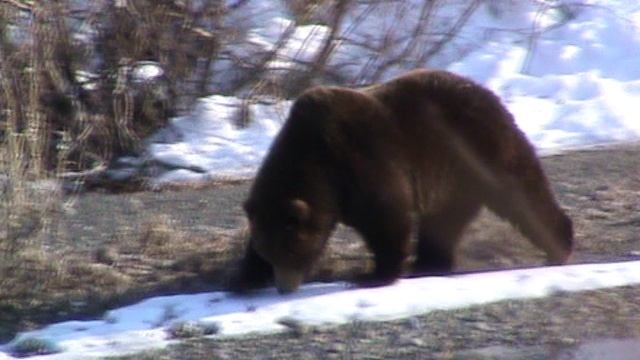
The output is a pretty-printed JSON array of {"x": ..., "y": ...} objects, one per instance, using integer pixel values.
[
  {"x": 29, "y": 211},
  {"x": 34, "y": 346},
  {"x": 96, "y": 279},
  {"x": 159, "y": 239},
  {"x": 44, "y": 276}
]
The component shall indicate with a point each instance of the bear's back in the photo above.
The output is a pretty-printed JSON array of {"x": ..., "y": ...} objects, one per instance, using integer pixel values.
[{"x": 435, "y": 108}]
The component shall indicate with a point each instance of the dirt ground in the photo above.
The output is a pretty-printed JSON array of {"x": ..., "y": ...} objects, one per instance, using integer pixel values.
[
  {"x": 113, "y": 249},
  {"x": 564, "y": 326}
]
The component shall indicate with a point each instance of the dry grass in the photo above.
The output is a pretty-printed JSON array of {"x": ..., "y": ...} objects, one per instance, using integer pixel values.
[
  {"x": 50, "y": 123},
  {"x": 39, "y": 285}
]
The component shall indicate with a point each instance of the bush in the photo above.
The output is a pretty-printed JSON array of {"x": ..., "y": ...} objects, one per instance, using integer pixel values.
[
  {"x": 74, "y": 122},
  {"x": 66, "y": 69}
]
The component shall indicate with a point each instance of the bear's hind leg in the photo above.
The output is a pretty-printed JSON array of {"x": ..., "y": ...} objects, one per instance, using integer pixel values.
[
  {"x": 528, "y": 204},
  {"x": 438, "y": 237}
]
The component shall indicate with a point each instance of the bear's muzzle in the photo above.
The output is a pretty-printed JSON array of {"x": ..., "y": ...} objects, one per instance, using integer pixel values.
[{"x": 287, "y": 280}]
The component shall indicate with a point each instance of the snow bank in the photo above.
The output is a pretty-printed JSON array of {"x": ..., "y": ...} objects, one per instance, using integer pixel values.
[
  {"x": 569, "y": 83},
  {"x": 147, "y": 324}
]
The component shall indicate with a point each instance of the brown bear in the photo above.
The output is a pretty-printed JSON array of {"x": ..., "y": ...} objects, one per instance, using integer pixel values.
[{"x": 429, "y": 145}]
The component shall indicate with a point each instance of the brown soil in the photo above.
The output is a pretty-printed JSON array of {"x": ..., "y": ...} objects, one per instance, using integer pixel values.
[{"x": 112, "y": 249}]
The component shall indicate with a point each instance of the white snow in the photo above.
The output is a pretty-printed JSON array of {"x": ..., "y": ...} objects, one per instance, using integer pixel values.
[
  {"x": 146, "y": 324},
  {"x": 210, "y": 141},
  {"x": 573, "y": 84},
  {"x": 145, "y": 71}
]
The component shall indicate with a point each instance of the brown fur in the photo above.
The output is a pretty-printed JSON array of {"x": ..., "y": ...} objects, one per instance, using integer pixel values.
[{"x": 429, "y": 143}]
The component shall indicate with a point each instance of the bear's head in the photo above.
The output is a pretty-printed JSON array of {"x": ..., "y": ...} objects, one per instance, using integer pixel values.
[
  {"x": 560, "y": 248},
  {"x": 290, "y": 235}
]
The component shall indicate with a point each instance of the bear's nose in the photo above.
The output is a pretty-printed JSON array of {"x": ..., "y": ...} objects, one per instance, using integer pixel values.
[{"x": 284, "y": 290}]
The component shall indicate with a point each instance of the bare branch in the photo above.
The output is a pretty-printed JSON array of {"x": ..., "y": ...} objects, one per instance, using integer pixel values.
[
  {"x": 25, "y": 5},
  {"x": 453, "y": 31}
]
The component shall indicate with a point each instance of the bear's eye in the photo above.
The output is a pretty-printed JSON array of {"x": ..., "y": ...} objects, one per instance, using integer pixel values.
[{"x": 292, "y": 219}]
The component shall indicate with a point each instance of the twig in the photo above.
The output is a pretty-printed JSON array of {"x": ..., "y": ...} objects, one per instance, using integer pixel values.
[
  {"x": 453, "y": 31},
  {"x": 76, "y": 175},
  {"x": 19, "y": 4}
]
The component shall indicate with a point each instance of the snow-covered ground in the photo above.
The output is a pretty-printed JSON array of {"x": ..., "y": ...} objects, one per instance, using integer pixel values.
[
  {"x": 149, "y": 323},
  {"x": 574, "y": 84},
  {"x": 570, "y": 85}
]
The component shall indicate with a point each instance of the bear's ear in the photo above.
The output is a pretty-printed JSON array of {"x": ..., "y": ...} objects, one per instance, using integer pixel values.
[{"x": 300, "y": 210}]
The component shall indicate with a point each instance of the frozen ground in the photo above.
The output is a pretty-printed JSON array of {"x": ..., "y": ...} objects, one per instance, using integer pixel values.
[{"x": 575, "y": 84}]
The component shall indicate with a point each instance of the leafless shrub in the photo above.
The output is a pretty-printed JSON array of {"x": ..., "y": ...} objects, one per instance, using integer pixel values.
[
  {"x": 104, "y": 113},
  {"x": 202, "y": 47},
  {"x": 302, "y": 8},
  {"x": 367, "y": 41},
  {"x": 408, "y": 37},
  {"x": 28, "y": 75},
  {"x": 183, "y": 36}
]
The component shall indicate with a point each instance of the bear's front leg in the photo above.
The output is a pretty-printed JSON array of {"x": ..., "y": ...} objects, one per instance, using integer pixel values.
[{"x": 387, "y": 234}]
